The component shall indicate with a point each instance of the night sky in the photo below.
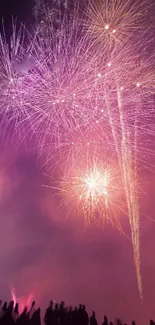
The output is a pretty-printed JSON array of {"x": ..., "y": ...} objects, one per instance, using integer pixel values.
[
  {"x": 59, "y": 259},
  {"x": 18, "y": 8}
]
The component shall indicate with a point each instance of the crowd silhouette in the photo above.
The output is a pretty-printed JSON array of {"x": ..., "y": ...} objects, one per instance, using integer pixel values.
[{"x": 57, "y": 314}]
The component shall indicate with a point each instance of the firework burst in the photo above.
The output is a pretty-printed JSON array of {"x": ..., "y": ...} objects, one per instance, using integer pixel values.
[
  {"x": 94, "y": 190},
  {"x": 118, "y": 82},
  {"x": 112, "y": 22},
  {"x": 16, "y": 89}
]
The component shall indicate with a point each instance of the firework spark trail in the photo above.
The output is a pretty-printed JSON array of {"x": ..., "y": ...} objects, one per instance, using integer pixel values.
[
  {"x": 130, "y": 189},
  {"x": 124, "y": 158},
  {"x": 104, "y": 18},
  {"x": 123, "y": 151},
  {"x": 127, "y": 157}
]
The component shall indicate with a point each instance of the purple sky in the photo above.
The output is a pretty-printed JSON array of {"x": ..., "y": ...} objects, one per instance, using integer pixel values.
[{"x": 61, "y": 260}]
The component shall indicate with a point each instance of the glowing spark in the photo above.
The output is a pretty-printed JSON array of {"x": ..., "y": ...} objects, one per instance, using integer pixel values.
[{"x": 106, "y": 27}]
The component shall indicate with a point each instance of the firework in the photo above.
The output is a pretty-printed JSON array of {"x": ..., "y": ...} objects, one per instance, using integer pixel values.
[
  {"x": 16, "y": 89},
  {"x": 119, "y": 81},
  {"x": 128, "y": 119},
  {"x": 87, "y": 88},
  {"x": 64, "y": 80},
  {"x": 22, "y": 301},
  {"x": 92, "y": 187},
  {"x": 112, "y": 22},
  {"x": 50, "y": 80}
]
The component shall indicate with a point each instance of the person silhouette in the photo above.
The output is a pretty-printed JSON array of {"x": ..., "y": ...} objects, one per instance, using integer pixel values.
[
  {"x": 49, "y": 314},
  {"x": 32, "y": 310},
  {"x": 62, "y": 313},
  {"x": 3, "y": 310},
  {"x": 75, "y": 316},
  {"x": 118, "y": 321},
  {"x": 23, "y": 317},
  {"x": 10, "y": 306},
  {"x": 70, "y": 315},
  {"x": 84, "y": 316},
  {"x": 35, "y": 320},
  {"x": 79, "y": 314},
  {"x": 56, "y": 315},
  {"x": 93, "y": 320},
  {"x": 105, "y": 322},
  {"x": 7, "y": 317},
  {"x": 4, "y": 306}
]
